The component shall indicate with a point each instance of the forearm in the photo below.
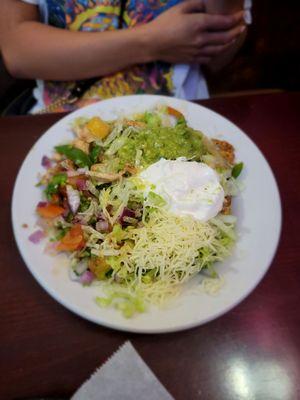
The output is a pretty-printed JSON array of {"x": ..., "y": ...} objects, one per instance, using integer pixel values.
[{"x": 34, "y": 50}]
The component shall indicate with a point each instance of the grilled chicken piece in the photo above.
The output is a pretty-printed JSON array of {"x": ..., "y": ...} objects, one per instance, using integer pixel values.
[
  {"x": 104, "y": 176},
  {"x": 227, "y": 205},
  {"x": 226, "y": 150},
  {"x": 81, "y": 145}
]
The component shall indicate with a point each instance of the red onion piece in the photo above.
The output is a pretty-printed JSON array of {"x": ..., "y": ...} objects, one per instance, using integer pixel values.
[
  {"x": 82, "y": 170},
  {"x": 87, "y": 278},
  {"x": 36, "y": 236},
  {"x": 42, "y": 204},
  {"x": 46, "y": 162},
  {"x": 87, "y": 194},
  {"x": 81, "y": 184},
  {"x": 126, "y": 213},
  {"x": 79, "y": 171},
  {"x": 102, "y": 226},
  {"x": 66, "y": 206},
  {"x": 73, "y": 198}
]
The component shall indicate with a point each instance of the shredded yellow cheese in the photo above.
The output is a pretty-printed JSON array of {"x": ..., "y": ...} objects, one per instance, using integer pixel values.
[{"x": 170, "y": 245}]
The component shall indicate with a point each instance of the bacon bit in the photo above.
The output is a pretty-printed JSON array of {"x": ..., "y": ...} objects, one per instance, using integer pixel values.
[
  {"x": 66, "y": 207},
  {"x": 55, "y": 198},
  {"x": 50, "y": 210},
  {"x": 62, "y": 191},
  {"x": 175, "y": 113},
  {"x": 109, "y": 209},
  {"x": 129, "y": 168},
  {"x": 138, "y": 124},
  {"x": 73, "y": 180},
  {"x": 226, "y": 205},
  {"x": 87, "y": 194},
  {"x": 73, "y": 240}
]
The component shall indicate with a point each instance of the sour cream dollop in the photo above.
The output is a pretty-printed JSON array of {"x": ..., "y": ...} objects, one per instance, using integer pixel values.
[{"x": 188, "y": 187}]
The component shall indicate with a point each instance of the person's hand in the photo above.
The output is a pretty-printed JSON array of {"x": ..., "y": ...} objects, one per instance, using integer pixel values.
[{"x": 186, "y": 34}]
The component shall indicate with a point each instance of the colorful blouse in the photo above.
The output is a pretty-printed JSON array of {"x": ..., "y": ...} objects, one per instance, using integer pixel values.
[{"x": 185, "y": 81}]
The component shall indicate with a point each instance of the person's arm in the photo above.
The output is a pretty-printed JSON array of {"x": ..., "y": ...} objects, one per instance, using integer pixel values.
[
  {"x": 31, "y": 49},
  {"x": 184, "y": 33},
  {"x": 225, "y": 7}
]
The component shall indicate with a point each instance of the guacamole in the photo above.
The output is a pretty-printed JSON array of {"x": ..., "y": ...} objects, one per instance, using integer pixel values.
[{"x": 156, "y": 142}]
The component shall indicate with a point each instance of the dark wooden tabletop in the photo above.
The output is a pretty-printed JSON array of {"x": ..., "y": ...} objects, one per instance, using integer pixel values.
[{"x": 251, "y": 353}]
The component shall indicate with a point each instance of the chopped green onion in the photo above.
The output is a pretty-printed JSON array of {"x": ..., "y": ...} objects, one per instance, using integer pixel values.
[
  {"x": 79, "y": 157},
  {"x": 53, "y": 186},
  {"x": 94, "y": 152},
  {"x": 237, "y": 169}
]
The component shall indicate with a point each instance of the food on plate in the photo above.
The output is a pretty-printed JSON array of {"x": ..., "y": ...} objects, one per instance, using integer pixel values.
[{"x": 140, "y": 204}]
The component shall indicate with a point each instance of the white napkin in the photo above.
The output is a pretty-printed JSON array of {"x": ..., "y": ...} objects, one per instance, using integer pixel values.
[{"x": 125, "y": 376}]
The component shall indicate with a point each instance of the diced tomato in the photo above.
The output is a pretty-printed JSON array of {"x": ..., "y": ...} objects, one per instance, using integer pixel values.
[
  {"x": 98, "y": 128},
  {"x": 50, "y": 210},
  {"x": 175, "y": 113},
  {"x": 63, "y": 191},
  {"x": 73, "y": 180},
  {"x": 73, "y": 240},
  {"x": 99, "y": 267},
  {"x": 55, "y": 198}
]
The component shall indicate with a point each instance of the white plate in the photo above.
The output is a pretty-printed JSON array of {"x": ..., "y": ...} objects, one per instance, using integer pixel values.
[{"x": 259, "y": 223}]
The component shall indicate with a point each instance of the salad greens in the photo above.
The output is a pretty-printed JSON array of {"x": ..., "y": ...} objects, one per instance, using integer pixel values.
[
  {"x": 79, "y": 157},
  {"x": 95, "y": 151}
]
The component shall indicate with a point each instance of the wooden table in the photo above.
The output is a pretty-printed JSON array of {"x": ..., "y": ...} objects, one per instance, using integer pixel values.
[{"x": 251, "y": 353}]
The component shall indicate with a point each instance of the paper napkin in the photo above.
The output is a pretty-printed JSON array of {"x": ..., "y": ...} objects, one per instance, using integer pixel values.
[{"x": 125, "y": 376}]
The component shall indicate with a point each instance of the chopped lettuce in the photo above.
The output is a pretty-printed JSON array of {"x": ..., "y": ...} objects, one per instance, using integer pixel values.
[{"x": 129, "y": 304}]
